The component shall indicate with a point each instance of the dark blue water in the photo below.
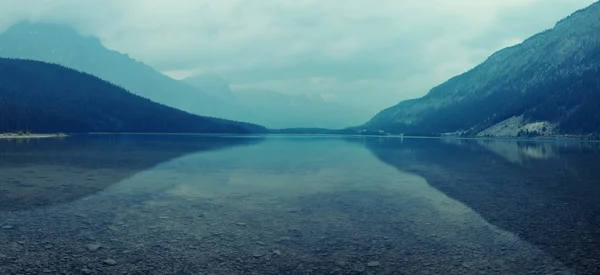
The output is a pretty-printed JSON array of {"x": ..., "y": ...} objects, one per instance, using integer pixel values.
[{"x": 298, "y": 205}]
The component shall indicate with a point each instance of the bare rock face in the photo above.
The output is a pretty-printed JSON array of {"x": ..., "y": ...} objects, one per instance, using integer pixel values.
[
  {"x": 518, "y": 127},
  {"x": 550, "y": 78}
]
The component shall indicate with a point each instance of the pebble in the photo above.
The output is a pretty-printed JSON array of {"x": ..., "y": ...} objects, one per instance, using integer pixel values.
[
  {"x": 110, "y": 262},
  {"x": 360, "y": 269},
  {"x": 113, "y": 228},
  {"x": 373, "y": 264},
  {"x": 340, "y": 263},
  {"x": 93, "y": 247},
  {"x": 282, "y": 239}
]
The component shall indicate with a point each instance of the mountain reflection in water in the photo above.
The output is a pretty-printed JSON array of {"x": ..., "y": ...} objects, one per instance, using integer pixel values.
[
  {"x": 43, "y": 172},
  {"x": 546, "y": 192},
  {"x": 298, "y": 205}
]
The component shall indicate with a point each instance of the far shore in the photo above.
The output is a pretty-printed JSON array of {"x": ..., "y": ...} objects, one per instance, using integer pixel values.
[
  {"x": 536, "y": 138},
  {"x": 27, "y": 136}
]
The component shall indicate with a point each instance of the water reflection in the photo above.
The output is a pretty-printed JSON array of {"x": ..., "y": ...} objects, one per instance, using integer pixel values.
[
  {"x": 43, "y": 172},
  {"x": 288, "y": 205},
  {"x": 309, "y": 206},
  {"x": 517, "y": 151},
  {"x": 545, "y": 192}
]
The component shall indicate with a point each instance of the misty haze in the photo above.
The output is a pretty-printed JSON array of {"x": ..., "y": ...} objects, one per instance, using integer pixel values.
[{"x": 299, "y": 137}]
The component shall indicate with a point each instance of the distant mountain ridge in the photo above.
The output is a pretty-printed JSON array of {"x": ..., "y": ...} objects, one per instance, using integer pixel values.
[
  {"x": 213, "y": 85},
  {"x": 64, "y": 46},
  {"x": 207, "y": 95},
  {"x": 547, "y": 85},
  {"x": 48, "y": 98},
  {"x": 278, "y": 110}
]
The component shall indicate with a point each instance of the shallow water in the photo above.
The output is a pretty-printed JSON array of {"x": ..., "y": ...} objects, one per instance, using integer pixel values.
[{"x": 298, "y": 205}]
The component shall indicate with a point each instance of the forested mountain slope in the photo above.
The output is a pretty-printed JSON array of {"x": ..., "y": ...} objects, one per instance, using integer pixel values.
[
  {"x": 64, "y": 46},
  {"x": 47, "y": 98},
  {"x": 547, "y": 85}
]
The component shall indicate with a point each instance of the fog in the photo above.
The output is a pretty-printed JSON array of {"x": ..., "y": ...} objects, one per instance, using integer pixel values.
[{"x": 360, "y": 54}]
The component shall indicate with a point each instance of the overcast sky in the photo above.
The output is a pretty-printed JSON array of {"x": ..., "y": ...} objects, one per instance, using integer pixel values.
[{"x": 372, "y": 53}]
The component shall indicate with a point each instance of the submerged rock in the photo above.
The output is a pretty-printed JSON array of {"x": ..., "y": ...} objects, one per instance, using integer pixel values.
[
  {"x": 283, "y": 239},
  {"x": 93, "y": 247},
  {"x": 373, "y": 264},
  {"x": 340, "y": 263},
  {"x": 110, "y": 262},
  {"x": 112, "y": 228}
]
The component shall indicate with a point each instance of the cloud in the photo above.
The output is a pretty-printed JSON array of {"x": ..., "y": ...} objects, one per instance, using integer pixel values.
[{"x": 357, "y": 52}]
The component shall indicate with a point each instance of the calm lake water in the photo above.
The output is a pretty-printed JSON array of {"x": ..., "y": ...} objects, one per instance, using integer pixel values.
[{"x": 298, "y": 205}]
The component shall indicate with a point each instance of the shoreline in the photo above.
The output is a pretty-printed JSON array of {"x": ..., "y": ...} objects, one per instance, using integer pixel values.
[
  {"x": 537, "y": 138},
  {"x": 31, "y": 136}
]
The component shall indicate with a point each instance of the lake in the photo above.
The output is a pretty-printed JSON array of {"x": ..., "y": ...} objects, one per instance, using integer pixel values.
[{"x": 184, "y": 204}]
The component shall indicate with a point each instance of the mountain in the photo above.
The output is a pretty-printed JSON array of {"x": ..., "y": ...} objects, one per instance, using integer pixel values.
[
  {"x": 278, "y": 110},
  {"x": 296, "y": 110},
  {"x": 213, "y": 85},
  {"x": 47, "y": 98},
  {"x": 207, "y": 94},
  {"x": 63, "y": 45},
  {"x": 547, "y": 85}
]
